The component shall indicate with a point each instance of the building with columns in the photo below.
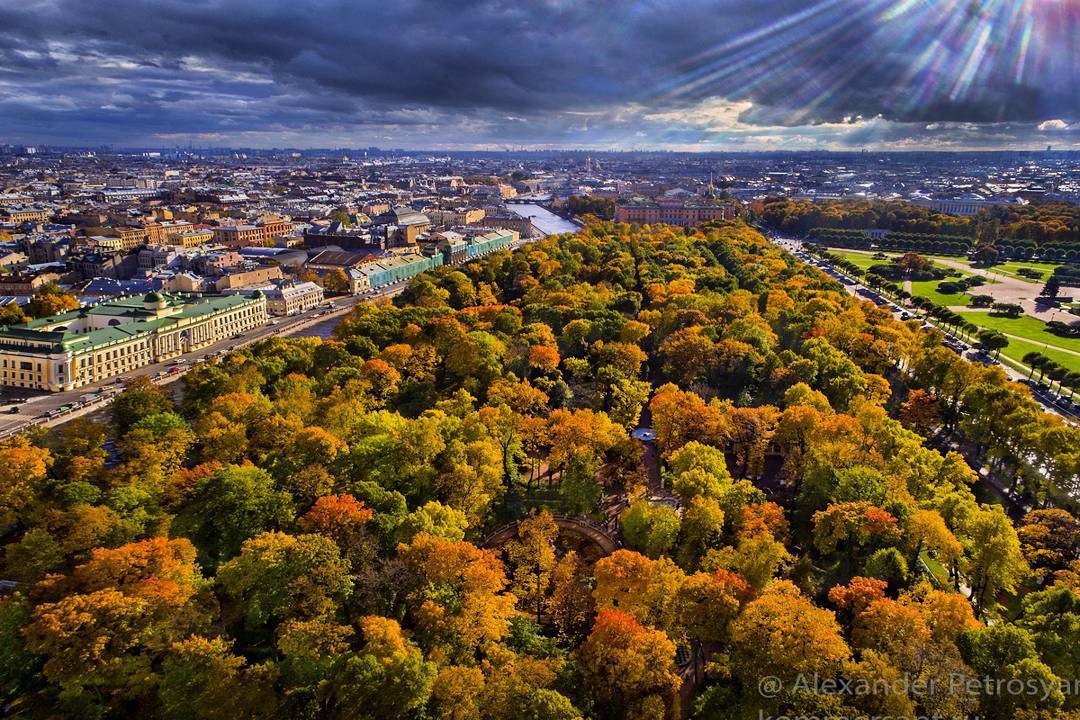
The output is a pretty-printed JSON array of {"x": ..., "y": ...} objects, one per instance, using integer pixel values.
[
  {"x": 66, "y": 351},
  {"x": 673, "y": 211}
]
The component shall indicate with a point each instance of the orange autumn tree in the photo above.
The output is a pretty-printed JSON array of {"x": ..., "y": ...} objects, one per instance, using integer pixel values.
[
  {"x": 781, "y": 634},
  {"x": 22, "y": 469},
  {"x": 855, "y": 524},
  {"x": 679, "y": 417},
  {"x": 121, "y": 611},
  {"x": 456, "y": 595},
  {"x": 544, "y": 358},
  {"x": 343, "y": 519},
  {"x": 640, "y": 586},
  {"x": 629, "y": 669},
  {"x": 710, "y": 601}
]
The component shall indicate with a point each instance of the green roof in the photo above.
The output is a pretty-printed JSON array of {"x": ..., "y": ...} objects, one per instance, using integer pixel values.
[{"x": 142, "y": 321}]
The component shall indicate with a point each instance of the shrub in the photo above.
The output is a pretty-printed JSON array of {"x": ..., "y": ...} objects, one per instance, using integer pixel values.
[{"x": 1008, "y": 309}]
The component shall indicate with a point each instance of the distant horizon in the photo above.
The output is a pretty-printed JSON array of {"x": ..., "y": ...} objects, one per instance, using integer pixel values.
[{"x": 120, "y": 149}]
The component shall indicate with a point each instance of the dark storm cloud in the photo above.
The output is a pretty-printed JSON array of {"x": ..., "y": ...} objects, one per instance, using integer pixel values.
[{"x": 560, "y": 72}]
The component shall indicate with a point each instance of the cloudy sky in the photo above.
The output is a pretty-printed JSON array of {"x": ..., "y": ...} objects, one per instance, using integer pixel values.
[{"x": 621, "y": 74}]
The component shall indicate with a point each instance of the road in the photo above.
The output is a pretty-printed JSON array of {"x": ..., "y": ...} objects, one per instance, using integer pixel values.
[
  {"x": 1011, "y": 499},
  {"x": 1047, "y": 402},
  {"x": 40, "y": 408},
  {"x": 1002, "y": 288},
  {"x": 34, "y": 408}
]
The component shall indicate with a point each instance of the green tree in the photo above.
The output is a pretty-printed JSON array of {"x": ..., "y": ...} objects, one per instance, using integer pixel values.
[
  {"x": 277, "y": 577},
  {"x": 202, "y": 678},
  {"x": 652, "y": 529},
  {"x": 230, "y": 506},
  {"x": 140, "y": 399},
  {"x": 389, "y": 679},
  {"x": 995, "y": 562}
]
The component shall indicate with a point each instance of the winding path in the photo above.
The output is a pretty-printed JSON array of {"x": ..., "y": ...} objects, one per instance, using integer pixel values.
[{"x": 607, "y": 542}]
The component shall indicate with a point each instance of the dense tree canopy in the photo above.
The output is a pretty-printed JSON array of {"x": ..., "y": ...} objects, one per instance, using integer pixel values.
[{"x": 303, "y": 534}]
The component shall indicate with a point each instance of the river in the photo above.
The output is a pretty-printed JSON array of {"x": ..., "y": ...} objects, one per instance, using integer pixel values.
[{"x": 545, "y": 221}]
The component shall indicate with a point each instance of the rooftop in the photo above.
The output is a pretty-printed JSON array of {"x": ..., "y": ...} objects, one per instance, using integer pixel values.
[{"x": 128, "y": 317}]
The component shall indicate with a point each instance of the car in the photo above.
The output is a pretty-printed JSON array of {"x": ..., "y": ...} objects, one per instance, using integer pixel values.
[{"x": 13, "y": 410}]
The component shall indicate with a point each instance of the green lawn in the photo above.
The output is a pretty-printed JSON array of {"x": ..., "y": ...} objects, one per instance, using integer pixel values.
[
  {"x": 1035, "y": 333},
  {"x": 861, "y": 260},
  {"x": 864, "y": 260},
  {"x": 928, "y": 289},
  {"x": 1017, "y": 349},
  {"x": 940, "y": 573},
  {"x": 1012, "y": 268}
]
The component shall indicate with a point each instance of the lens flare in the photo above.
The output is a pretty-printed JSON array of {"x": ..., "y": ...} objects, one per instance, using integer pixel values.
[{"x": 922, "y": 57}]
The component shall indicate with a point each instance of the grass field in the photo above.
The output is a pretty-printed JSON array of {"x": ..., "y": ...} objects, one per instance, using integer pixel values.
[
  {"x": 1012, "y": 270},
  {"x": 861, "y": 260},
  {"x": 1035, "y": 336},
  {"x": 941, "y": 575},
  {"x": 928, "y": 289},
  {"x": 1017, "y": 349},
  {"x": 864, "y": 260}
]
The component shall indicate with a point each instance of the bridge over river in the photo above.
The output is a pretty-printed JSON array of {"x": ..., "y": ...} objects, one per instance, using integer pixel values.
[{"x": 591, "y": 531}]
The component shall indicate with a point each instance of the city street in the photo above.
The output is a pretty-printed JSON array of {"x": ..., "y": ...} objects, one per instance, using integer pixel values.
[
  {"x": 852, "y": 286},
  {"x": 40, "y": 408}
]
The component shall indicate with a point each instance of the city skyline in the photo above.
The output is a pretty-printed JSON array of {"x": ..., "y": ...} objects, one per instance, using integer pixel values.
[{"x": 699, "y": 76}]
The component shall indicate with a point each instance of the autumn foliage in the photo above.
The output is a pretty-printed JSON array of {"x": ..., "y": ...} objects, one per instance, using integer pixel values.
[{"x": 402, "y": 521}]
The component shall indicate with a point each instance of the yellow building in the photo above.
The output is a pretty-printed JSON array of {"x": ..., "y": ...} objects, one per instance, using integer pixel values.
[
  {"x": 461, "y": 216},
  {"x": 130, "y": 237},
  {"x": 21, "y": 214},
  {"x": 192, "y": 238},
  {"x": 84, "y": 346}
]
